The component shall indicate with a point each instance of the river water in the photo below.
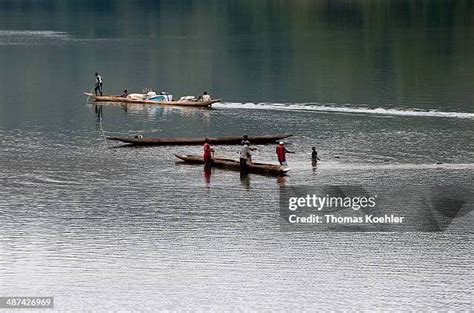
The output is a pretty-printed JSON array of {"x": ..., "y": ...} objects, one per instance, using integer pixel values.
[{"x": 383, "y": 90}]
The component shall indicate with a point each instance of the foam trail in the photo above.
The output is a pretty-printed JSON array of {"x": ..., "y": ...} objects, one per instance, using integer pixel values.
[
  {"x": 31, "y": 37},
  {"x": 33, "y": 33},
  {"x": 339, "y": 109}
]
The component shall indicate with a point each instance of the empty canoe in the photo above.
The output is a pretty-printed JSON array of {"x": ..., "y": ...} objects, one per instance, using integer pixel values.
[
  {"x": 183, "y": 141},
  {"x": 130, "y": 100},
  {"x": 265, "y": 168}
]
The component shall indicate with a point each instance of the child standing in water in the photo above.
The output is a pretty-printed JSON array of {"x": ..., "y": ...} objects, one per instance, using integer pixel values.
[{"x": 314, "y": 157}]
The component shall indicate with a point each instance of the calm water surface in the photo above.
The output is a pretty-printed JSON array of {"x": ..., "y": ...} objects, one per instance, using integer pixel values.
[{"x": 384, "y": 90}]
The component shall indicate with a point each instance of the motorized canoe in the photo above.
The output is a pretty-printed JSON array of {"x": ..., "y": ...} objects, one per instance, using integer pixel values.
[
  {"x": 265, "y": 168},
  {"x": 188, "y": 141},
  {"x": 189, "y": 103}
]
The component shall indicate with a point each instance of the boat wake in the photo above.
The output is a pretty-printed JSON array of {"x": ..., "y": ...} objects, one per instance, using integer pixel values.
[
  {"x": 28, "y": 37},
  {"x": 330, "y": 108},
  {"x": 33, "y": 33},
  {"x": 399, "y": 166},
  {"x": 35, "y": 37}
]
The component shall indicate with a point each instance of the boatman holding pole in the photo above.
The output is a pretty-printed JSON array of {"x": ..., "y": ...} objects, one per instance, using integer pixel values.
[
  {"x": 245, "y": 156},
  {"x": 207, "y": 155},
  {"x": 98, "y": 84},
  {"x": 281, "y": 152}
]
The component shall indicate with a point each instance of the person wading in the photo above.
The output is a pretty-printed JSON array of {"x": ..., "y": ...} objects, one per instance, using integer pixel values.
[
  {"x": 281, "y": 152},
  {"x": 207, "y": 155},
  {"x": 314, "y": 157},
  {"x": 98, "y": 84}
]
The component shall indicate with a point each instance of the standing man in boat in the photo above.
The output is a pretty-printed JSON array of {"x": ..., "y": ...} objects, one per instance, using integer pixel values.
[
  {"x": 246, "y": 141},
  {"x": 281, "y": 152},
  {"x": 207, "y": 155},
  {"x": 245, "y": 157},
  {"x": 98, "y": 84},
  {"x": 205, "y": 97}
]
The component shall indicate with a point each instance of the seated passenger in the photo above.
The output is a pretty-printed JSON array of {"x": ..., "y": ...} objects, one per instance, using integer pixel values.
[{"x": 205, "y": 97}]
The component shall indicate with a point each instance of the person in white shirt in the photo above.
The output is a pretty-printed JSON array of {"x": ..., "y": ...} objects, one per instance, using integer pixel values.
[
  {"x": 98, "y": 84},
  {"x": 205, "y": 97},
  {"x": 245, "y": 157}
]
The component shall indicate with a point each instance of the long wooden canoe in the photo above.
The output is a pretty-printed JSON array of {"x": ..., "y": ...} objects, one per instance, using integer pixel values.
[
  {"x": 188, "y": 141},
  {"x": 128, "y": 100},
  {"x": 265, "y": 168}
]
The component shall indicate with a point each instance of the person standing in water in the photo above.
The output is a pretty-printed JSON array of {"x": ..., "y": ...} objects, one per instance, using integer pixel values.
[
  {"x": 98, "y": 84},
  {"x": 314, "y": 157},
  {"x": 281, "y": 152},
  {"x": 207, "y": 155}
]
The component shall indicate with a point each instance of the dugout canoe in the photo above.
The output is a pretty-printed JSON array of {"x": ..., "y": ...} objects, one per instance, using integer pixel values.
[
  {"x": 262, "y": 168},
  {"x": 189, "y": 141},
  {"x": 187, "y": 103}
]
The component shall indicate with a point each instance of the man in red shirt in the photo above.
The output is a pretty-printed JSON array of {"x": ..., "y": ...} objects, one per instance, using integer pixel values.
[
  {"x": 207, "y": 155},
  {"x": 281, "y": 152}
]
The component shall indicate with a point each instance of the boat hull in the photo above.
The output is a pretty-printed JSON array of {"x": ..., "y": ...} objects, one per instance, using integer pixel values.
[
  {"x": 262, "y": 168},
  {"x": 188, "y": 141},
  {"x": 201, "y": 104}
]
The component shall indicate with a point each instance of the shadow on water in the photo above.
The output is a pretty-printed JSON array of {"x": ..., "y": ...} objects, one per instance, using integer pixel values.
[
  {"x": 130, "y": 146},
  {"x": 156, "y": 110},
  {"x": 100, "y": 122},
  {"x": 245, "y": 179},
  {"x": 207, "y": 175},
  {"x": 314, "y": 166},
  {"x": 99, "y": 112}
]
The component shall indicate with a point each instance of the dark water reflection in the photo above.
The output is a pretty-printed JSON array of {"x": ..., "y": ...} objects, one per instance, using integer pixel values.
[
  {"x": 107, "y": 228},
  {"x": 389, "y": 54}
]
